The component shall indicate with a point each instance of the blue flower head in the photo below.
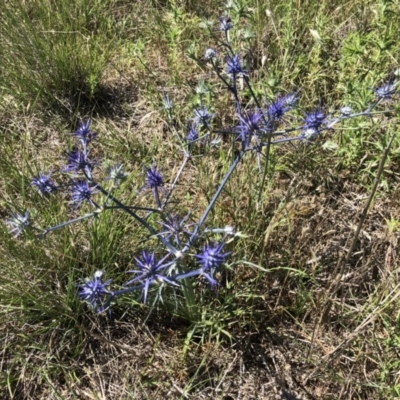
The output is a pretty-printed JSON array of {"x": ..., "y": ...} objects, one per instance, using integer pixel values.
[
  {"x": 277, "y": 110},
  {"x": 94, "y": 291},
  {"x": 175, "y": 226},
  {"x": 77, "y": 161},
  {"x": 81, "y": 191},
  {"x": 313, "y": 123},
  {"x": 233, "y": 65},
  {"x": 193, "y": 134},
  {"x": 249, "y": 125},
  {"x": 225, "y": 24},
  {"x": 346, "y": 111},
  {"x": 19, "y": 223},
  {"x": 154, "y": 178},
  {"x": 211, "y": 259},
  {"x": 202, "y": 116},
  {"x": 83, "y": 133},
  {"x": 281, "y": 106},
  {"x": 43, "y": 184},
  {"x": 151, "y": 272},
  {"x": 210, "y": 54},
  {"x": 314, "y": 120},
  {"x": 387, "y": 90}
]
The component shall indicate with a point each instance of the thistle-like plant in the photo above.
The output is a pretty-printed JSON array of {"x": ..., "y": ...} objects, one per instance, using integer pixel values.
[{"x": 187, "y": 249}]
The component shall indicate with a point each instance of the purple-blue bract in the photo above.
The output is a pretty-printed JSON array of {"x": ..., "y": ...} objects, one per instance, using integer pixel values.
[
  {"x": 154, "y": 178},
  {"x": 281, "y": 106},
  {"x": 387, "y": 90},
  {"x": 233, "y": 65},
  {"x": 77, "y": 161},
  {"x": 211, "y": 259},
  {"x": 315, "y": 119},
  {"x": 249, "y": 125},
  {"x": 225, "y": 24},
  {"x": 94, "y": 291},
  {"x": 202, "y": 116},
  {"x": 43, "y": 184},
  {"x": 84, "y": 133},
  {"x": 81, "y": 191},
  {"x": 193, "y": 134},
  {"x": 18, "y": 223},
  {"x": 151, "y": 271}
]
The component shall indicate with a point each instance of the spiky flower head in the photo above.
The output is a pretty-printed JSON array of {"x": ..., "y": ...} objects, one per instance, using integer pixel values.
[
  {"x": 281, "y": 106},
  {"x": 43, "y": 184},
  {"x": 202, "y": 116},
  {"x": 346, "y": 111},
  {"x": 77, "y": 161},
  {"x": 94, "y": 291},
  {"x": 83, "y": 133},
  {"x": 151, "y": 271},
  {"x": 154, "y": 178},
  {"x": 313, "y": 123},
  {"x": 116, "y": 173},
  {"x": 193, "y": 134},
  {"x": 290, "y": 100},
  {"x": 387, "y": 90},
  {"x": 234, "y": 66},
  {"x": 211, "y": 259},
  {"x": 314, "y": 120},
  {"x": 277, "y": 110},
  {"x": 81, "y": 191},
  {"x": 225, "y": 24},
  {"x": 249, "y": 125},
  {"x": 210, "y": 54},
  {"x": 19, "y": 223},
  {"x": 175, "y": 225}
]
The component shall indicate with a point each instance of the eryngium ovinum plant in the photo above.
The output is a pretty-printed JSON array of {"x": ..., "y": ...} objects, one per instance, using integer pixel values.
[{"x": 186, "y": 249}]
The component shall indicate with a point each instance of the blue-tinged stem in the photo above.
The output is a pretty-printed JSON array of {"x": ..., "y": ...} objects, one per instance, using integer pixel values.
[
  {"x": 212, "y": 202},
  {"x": 165, "y": 242},
  {"x": 157, "y": 197},
  {"x": 133, "y": 208},
  {"x": 267, "y": 155},
  {"x": 72, "y": 221}
]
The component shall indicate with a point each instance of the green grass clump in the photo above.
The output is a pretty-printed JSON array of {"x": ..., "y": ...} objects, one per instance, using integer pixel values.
[{"x": 55, "y": 52}]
